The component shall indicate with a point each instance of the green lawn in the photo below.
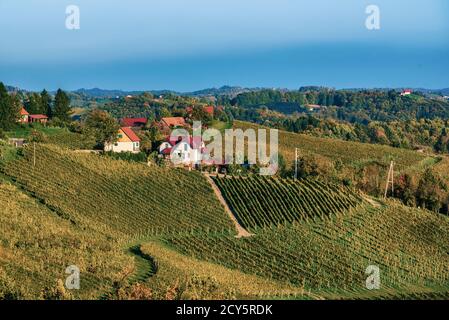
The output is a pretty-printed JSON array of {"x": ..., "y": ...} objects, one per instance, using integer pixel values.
[
  {"x": 23, "y": 131},
  {"x": 220, "y": 125}
]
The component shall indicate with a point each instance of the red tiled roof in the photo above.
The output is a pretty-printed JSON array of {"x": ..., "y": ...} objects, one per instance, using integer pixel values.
[
  {"x": 134, "y": 122},
  {"x": 38, "y": 116},
  {"x": 130, "y": 133},
  {"x": 23, "y": 112},
  {"x": 209, "y": 110},
  {"x": 166, "y": 151},
  {"x": 190, "y": 140},
  {"x": 174, "y": 121}
]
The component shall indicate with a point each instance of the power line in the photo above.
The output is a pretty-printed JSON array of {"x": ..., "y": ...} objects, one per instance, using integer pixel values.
[{"x": 390, "y": 179}]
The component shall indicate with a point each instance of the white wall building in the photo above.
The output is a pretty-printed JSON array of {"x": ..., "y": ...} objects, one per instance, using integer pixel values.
[{"x": 127, "y": 141}]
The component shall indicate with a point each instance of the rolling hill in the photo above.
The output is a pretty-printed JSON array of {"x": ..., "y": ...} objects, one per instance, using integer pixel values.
[
  {"x": 129, "y": 226},
  {"x": 330, "y": 257}
]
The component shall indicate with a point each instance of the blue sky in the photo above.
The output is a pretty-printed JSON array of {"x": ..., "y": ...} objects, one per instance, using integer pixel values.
[{"x": 188, "y": 45}]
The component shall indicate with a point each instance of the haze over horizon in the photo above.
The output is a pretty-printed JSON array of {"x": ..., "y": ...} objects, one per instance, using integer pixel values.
[{"x": 187, "y": 46}]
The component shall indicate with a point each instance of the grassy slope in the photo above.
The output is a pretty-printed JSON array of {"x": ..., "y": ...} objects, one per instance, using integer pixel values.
[
  {"x": 353, "y": 154},
  {"x": 36, "y": 246},
  {"x": 190, "y": 278},
  {"x": 122, "y": 200},
  {"x": 60, "y": 136},
  {"x": 85, "y": 210}
]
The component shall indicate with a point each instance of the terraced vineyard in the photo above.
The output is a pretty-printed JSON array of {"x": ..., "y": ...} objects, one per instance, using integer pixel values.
[
  {"x": 126, "y": 198},
  {"x": 260, "y": 202},
  {"x": 311, "y": 239},
  {"x": 330, "y": 257}
]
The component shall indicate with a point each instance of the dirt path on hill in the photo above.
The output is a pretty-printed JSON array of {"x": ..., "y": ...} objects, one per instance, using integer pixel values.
[
  {"x": 241, "y": 232},
  {"x": 373, "y": 202}
]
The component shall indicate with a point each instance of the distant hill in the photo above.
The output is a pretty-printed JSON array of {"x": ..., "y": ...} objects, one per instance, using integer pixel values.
[
  {"x": 222, "y": 91},
  {"x": 229, "y": 91},
  {"x": 14, "y": 89},
  {"x": 102, "y": 93},
  {"x": 444, "y": 92}
]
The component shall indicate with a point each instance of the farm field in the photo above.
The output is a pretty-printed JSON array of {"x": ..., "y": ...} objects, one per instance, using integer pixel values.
[
  {"x": 329, "y": 257},
  {"x": 121, "y": 197},
  {"x": 260, "y": 202},
  {"x": 190, "y": 278},
  {"x": 131, "y": 225}
]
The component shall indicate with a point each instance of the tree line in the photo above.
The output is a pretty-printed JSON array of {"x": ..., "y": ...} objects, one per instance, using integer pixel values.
[
  {"x": 353, "y": 106},
  {"x": 57, "y": 108},
  {"x": 403, "y": 128}
]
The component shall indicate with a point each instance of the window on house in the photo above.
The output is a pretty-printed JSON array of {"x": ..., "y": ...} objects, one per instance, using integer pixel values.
[{"x": 120, "y": 136}]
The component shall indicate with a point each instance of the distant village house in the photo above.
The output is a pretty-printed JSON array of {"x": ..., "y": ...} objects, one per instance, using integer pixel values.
[
  {"x": 24, "y": 116},
  {"x": 169, "y": 123},
  {"x": 127, "y": 141},
  {"x": 207, "y": 109},
  {"x": 134, "y": 122},
  {"x": 38, "y": 118},
  {"x": 187, "y": 152},
  {"x": 313, "y": 107},
  {"x": 406, "y": 92},
  {"x": 17, "y": 142}
]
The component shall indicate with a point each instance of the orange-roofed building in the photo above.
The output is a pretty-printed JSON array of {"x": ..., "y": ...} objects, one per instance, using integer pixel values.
[
  {"x": 173, "y": 121},
  {"x": 24, "y": 116},
  {"x": 209, "y": 110},
  {"x": 127, "y": 141},
  {"x": 169, "y": 123}
]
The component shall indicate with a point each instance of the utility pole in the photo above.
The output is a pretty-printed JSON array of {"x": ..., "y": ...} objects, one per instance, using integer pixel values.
[
  {"x": 296, "y": 163},
  {"x": 390, "y": 179},
  {"x": 34, "y": 153}
]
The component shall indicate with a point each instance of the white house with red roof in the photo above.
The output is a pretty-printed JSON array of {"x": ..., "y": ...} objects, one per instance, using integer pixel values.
[
  {"x": 187, "y": 151},
  {"x": 406, "y": 92},
  {"x": 127, "y": 141}
]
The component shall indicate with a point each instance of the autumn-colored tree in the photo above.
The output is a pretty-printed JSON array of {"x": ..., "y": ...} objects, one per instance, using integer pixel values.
[
  {"x": 102, "y": 126},
  {"x": 431, "y": 191}
]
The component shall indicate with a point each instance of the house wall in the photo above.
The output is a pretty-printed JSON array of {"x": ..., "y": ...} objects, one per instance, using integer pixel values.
[
  {"x": 122, "y": 137},
  {"x": 123, "y": 144},
  {"x": 188, "y": 155},
  {"x": 129, "y": 146},
  {"x": 39, "y": 120}
]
